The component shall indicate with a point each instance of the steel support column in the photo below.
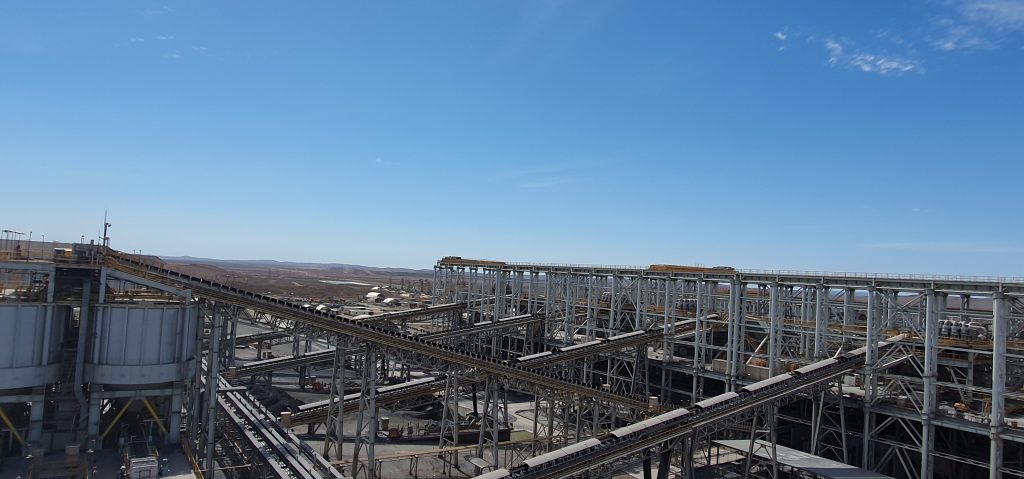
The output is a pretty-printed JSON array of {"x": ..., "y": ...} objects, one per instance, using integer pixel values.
[
  {"x": 35, "y": 417},
  {"x": 334, "y": 433},
  {"x": 737, "y": 334},
  {"x": 820, "y": 322},
  {"x": 174, "y": 415},
  {"x": 449, "y": 438},
  {"x": 870, "y": 358},
  {"x": 699, "y": 340},
  {"x": 363, "y": 460},
  {"x": 213, "y": 374},
  {"x": 774, "y": 329},
  {"x": 849, "y": 296},
  {"x": 933, "y": 313},
  {"x": 491, "y": 421},
  {"x": 996, "y": 418}
]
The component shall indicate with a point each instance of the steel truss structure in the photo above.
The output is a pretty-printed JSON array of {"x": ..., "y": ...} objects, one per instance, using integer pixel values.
[
  {"x": 626, "y": 341},
  {"x": 457, "y": 342},
  {"x": 947, "y": 383}
]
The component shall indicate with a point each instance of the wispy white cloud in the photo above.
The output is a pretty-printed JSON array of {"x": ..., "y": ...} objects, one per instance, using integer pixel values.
[
  {"x": 835, "y": 51},
  {"x": 161, "y": 10},
  {"x": 782, "y": 36},
  {"x": 172, "y": 55},
  {"x": 885, "y": 65},
  {"x": 845, "y": 53},
  {"x": 962, "y": 37},
  {"x": 164, "y": 38},
  {"x": 892, "y": 37},
  {"x": 954, "y": 26},
  {"x": 136, "y": 40},
  {"x": 948, "y": 247},
  {"x": 380, "y": 162},
  {"x": 977, "y": 25},
  {"x": 996, "y": 13},
  {"x": 889, "y": 54},
  {"x": 155, "y": 11}
]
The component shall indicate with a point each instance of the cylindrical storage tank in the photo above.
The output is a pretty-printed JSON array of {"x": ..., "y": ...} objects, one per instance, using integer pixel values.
[
  {"x": 139, "y": 344},
  {"x": 30, "y": 340}
]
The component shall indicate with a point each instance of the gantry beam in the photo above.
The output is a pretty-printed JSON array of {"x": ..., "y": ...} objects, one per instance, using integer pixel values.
[{"x": 901, "y": 282}]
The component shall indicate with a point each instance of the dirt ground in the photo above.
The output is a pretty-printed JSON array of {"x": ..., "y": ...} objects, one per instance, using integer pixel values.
[{"x": 323, "y": 283}]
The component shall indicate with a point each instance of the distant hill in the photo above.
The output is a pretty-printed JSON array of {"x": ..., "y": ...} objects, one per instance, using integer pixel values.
[{"x": 270, "y": 263}]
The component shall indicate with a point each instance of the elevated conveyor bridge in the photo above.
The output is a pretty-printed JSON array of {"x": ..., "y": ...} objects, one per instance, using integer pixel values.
[
  {"x": 285, "y": 362},
  {"x": 317, "y": 412},
  {"x": 256, "y": 338},
  {"x": 280, "y": 452},
  {"x": 650, "y": 433},
  {"x": 518, "y": 376}
]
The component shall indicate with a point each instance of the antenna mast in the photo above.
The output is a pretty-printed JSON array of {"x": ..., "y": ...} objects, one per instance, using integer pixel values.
[{"x": 106, "y": 239}]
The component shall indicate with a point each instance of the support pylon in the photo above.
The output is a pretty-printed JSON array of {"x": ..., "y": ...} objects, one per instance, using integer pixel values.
[
  {"x": 450, "y": 423},
  {"x": 491, "y": 421},
  {"x": 829, "y": 423},
  {"x": 336, "y": 405},
  {"x": 363, "y": 460}
]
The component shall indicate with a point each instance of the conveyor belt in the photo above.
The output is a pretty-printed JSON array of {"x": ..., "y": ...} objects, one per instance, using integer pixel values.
[
  {"x": 317, "y": 412},
  {"x": 332, "y": 322},
  {"x": 281, "y": 451},
  {"x": 414, "y": 313},
  {"x": 285, "y": 362},
  {"x": 485, "y": 326},
  {"x": 603, "y": 347},
  {"x": 254, "y": 338},
  {"x": 576, "y": 460},
  {"x": 417, "y": 312}
]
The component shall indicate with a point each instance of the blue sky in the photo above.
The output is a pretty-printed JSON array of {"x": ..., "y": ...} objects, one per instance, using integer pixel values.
[{"x": 864, "y": 136}]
